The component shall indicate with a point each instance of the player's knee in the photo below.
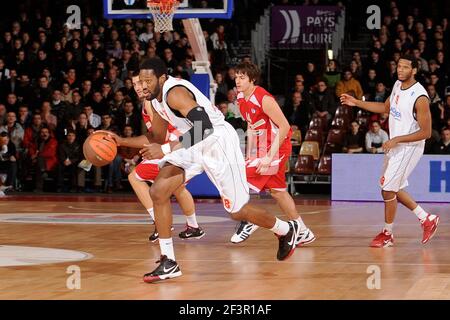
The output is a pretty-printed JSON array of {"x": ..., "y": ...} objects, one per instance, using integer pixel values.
[
  {"x": 159, "y": 193},
  {"x": 388, "y": 195},
  {"x": 276, "y": 194}
]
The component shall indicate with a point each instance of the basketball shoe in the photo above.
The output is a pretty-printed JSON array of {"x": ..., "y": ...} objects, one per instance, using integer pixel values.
[
  {"x": 429, "y": 226},
  {"x": 244, "y": 231},
  {"x": 288, "y": 243},
  {"x": 191, "y": 233},
  {"x": 167, "y": 269},
  {"x": 305, "y": 237},
  {"x": 155, "y": 235},
  {"x": 382, "y": 240}
]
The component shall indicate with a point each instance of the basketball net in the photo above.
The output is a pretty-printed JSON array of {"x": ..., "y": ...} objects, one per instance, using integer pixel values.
[{"x": 163, "y": 12}]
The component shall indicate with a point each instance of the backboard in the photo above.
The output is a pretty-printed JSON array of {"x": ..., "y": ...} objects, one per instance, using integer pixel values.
[{"x": 137, "y": 9}]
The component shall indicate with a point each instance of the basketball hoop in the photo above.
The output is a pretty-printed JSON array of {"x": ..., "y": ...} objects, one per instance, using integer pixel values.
[{"x": 163, "y": 12}]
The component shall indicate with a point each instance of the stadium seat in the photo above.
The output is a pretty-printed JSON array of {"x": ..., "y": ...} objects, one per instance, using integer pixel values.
[
  {"x": 324, "y": 165},
  {"x": 304, "y": 164},
  {"x": 334, "y": 142},
  {"x": 296, "y": 138},
  {"x": 318, "y": 123},
  {"x": 310, "y": 148},
  {"x": 314, "y": 135},
  {"x": 344, "y": 112},
  {"x": 340, "y": 123}
]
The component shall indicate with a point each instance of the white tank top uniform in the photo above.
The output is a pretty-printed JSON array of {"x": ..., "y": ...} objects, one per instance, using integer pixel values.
[
  {"x": 401, "y": 160},
  {"x": 219, "y": 155}
]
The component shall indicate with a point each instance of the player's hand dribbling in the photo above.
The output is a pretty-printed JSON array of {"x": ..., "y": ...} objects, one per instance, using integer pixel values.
[
  {"x": 116, "y": 138},
  {"x": 348, "y": 100},
  {"x": 389, "y": 145},
  {"x": 152, "y": 151}
]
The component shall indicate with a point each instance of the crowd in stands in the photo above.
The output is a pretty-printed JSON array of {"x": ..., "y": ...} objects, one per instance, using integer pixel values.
[
  {"x": 58, "y": 85},
  {"x": 351, "y": 130}
]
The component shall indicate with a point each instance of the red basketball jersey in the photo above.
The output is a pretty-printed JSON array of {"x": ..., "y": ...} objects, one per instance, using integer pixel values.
[
  {"x": 261, "y": 128},
  {"x": 172, "y": 133}
]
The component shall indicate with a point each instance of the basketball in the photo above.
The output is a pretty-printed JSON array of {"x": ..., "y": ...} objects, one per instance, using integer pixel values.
[{"x": 99, "y": 149}]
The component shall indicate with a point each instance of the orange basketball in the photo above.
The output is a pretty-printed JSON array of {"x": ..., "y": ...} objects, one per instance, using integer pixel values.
[{"x": 99, "y": 149}]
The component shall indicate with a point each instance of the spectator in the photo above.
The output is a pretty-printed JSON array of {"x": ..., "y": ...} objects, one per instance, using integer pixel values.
[
  {"x": 66, "y": 93},
  {"x": 94, "y": 119},
  {"x": 332, "y": 75},
  {"x": 12, "y": 105},
  {"x": 323, "y": 101},
  {"x": 310, "y": 75},
  {"x": 127, "y": 117},
  {"x": 171, "y": 63},
  {"x": 81, "y": 127},
  {"x": 369, "y": 84},
  {"x": 8, "y": 163},
  {"x": 14, "y": 130},
  {"x": 443, "y": 146},
  {"x": 74, "y": 109},
  {"x": 24, "y": 117},
  {"x": 148, "y": 33},
  {"x": 44, "y": 157},
  {"x": 381, "y": 93},
  {"x": 230, "y": 78},
  {"x": 298, "y": 112},
  {"x": 232, "y": 104},
  {"x": 32, "y": 132},
  {"x": 114, "y": 81},
  {"x": 69, "y": 155},
  {"x": 354, "y": 139},
  {"x": 222, "y": 88},
  {"x": 59, "y": 107},
  {"x": 3, "y": 112},
  {"x": 375, "y": 138},
  {"x": 236, "y": 122},
  {"x": 48, "y": 118},
  {"x": 349, "y": 84}
]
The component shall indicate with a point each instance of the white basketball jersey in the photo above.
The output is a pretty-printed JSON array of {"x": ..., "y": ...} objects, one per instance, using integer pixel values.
[
  {"x": 402, "y": 119},
  {"x": 182, "y": 124}
]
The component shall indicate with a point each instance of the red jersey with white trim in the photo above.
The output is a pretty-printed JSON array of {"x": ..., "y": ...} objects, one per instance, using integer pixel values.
[
  {"x": 172, "y": 133},
  {"x": 260, "y": 127}
]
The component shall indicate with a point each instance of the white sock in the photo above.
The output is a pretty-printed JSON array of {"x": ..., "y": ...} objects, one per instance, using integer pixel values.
[
  {"x": 301, "y": 224},
  {"x": 389, "y": 227},
  {"x": 151, "y": 213},
  {"x": 166, "y": 246},
  {"x": 420, "y": 213},
  {"x": 281, "y": 227},
  {"x": 192, "y": 221}
]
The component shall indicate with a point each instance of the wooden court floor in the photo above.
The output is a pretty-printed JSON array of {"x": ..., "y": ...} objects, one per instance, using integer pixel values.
[{"x": 338, "y": 265}]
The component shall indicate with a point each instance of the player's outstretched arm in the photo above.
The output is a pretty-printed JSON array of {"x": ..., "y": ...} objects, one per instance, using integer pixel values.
[{"x": 376, "y": 107}]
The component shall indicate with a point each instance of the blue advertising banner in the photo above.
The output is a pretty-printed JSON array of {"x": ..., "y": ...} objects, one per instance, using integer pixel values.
[{"x": 355, "y": 177}]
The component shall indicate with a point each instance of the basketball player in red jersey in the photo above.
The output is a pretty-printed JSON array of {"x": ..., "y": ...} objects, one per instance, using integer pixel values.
[
  {"x": 268, "y": 149},
  {"x": 147, "y": 170}
]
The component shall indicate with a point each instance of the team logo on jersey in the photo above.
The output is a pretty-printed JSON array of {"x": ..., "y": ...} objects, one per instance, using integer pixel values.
[
  {"x": 412, "y": 93},
  {"x": 397, "y": 97},
  {"x": 396, "y": 113},
  {"x": 382, "y": 181},
  {"x": 227, "y": 203},
  {"x": 253, "y": 111}
]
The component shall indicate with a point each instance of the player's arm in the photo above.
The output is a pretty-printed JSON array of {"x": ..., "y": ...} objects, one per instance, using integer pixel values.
[
  {"x": 273, "y": 110},
  {"x": 180, "y": 99},
  {"x": 423, "y": 115},
  {"x": 376, "y": 107}
]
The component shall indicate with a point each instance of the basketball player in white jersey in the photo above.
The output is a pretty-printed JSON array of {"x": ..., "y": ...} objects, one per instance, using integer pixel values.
[
  {"x": 208, "y": 144},
  {"x": 409, "y": 126},
  {"x": 147, "y": 170}
]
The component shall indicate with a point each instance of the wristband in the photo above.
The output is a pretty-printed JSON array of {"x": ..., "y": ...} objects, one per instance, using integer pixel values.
[{"x": 166, "y": 148}]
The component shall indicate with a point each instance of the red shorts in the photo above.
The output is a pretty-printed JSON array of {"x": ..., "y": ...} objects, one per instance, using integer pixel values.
[
  {"x": 276, "y": 181},
  {"x": 147, "y": 170}
]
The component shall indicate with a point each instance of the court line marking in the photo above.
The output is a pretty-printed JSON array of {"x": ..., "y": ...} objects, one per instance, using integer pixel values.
[{"x": 285, "y": 262}]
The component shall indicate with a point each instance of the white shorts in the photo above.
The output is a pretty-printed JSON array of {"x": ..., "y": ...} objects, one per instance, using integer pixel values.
[
  {"x": 398, "y": 165},
  {"x": 220, "y": 156}
]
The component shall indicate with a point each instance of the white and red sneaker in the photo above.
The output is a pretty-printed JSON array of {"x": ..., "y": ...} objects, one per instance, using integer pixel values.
[
  {"x": 383, "y": 240},
  {"x": 429, "y": 226}
]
